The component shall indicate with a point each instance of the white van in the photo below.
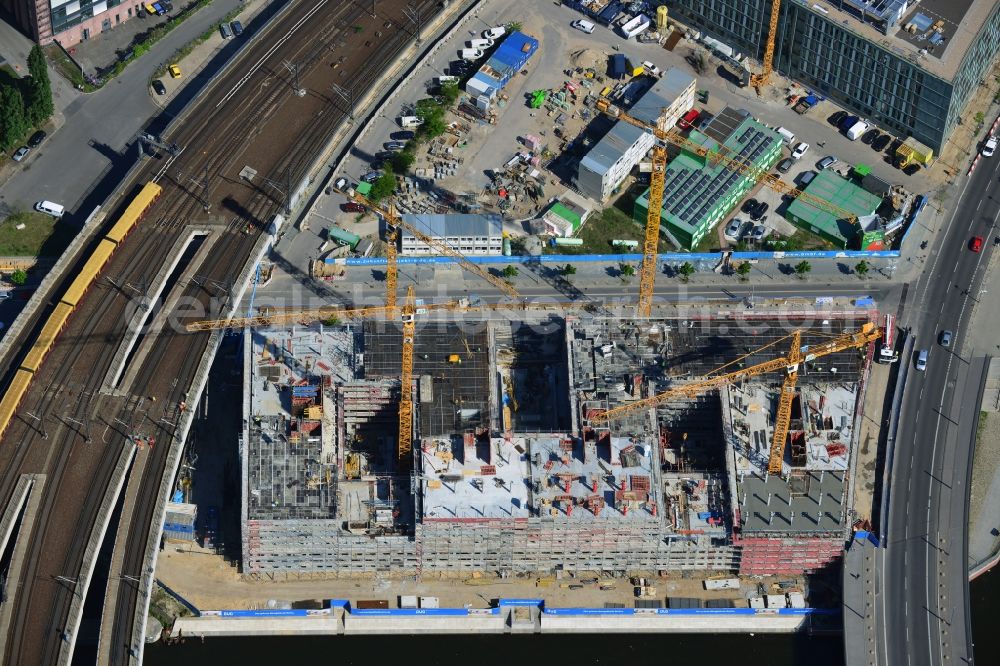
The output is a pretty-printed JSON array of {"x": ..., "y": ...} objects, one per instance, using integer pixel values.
[
  {"x": 409, "y": 122},
  {"x": 441, "y": 80},
  {"x": 787, "y": 136},
  {"x": 583, "y": 26},
  {"x": 470, "y": 54},
  {"x": 50, "y": 208},
  {"x": 479, "y": 43},
  {"x": 495, "y": 33}
]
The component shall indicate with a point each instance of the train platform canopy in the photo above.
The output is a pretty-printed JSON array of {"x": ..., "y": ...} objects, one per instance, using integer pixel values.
[{"x": 830, "y": 186}]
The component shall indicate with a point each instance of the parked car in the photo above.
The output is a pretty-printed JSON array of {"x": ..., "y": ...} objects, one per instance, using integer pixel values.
[
  {"x": 759, "y": 211},
  {"x": 340, "y": 183},
  {"x": 377, "y": 164},
  {"x": 354, "y": 207},
  {"x": 826, "y": 162},
  {"x": 881, "y": 142},
  {"x": 945, "y": 338},
  {"x": 36, "y": 139},
  {"x": 175, "y": 71},
  {"x": 225, "y": 31},
  {"x": 800, "y": 150},
  {"x": 758, "y": 233},
  {"x": 237, "y": 28},
  {"x": 911, "y": 169},
  {"x": 869, "y": 136},
  {"x": 687, "y": 119},
  {"x": 806, "y": 177},
  {"x": 584, "y": 26},
  {"x": 733, "y": 229},
  {"x": 976, "y": 244},
  {"x": 405, "y": 135},
  {"x": 371, "y": 176},
  {"x": 785, "y": 164},
  {"x": 837, "y": 118},
  {"x": 495, "y": 33},
  {"x": 395, "y": 145},
  {"x": 158, "y": 87},
  {"x": 990, "y": 146},
  {"x": 748, "y": 205},
  {"x": 21, "y": 153}
]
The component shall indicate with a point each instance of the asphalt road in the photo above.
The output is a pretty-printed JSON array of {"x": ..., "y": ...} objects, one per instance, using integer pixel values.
[
  {"x": 921, "y": 578},
  {"x": 98, "y": 126}
]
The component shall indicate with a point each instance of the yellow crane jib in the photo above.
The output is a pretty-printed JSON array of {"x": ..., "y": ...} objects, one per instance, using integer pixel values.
[
  {"x": 867, "y": 334},
  {"x": 405, "y": 446},
  {"x": 758, "y": 80}
]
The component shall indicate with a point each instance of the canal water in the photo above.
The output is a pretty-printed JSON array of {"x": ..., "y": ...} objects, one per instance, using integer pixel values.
[{"x": 630, "y": 650}]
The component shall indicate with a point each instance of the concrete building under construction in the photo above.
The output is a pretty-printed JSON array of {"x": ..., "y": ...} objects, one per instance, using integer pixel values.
[{"x": 512, "y": 470}]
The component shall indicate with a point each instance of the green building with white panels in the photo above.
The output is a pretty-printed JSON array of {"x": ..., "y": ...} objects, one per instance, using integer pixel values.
[
  {"x": 911, "y": 67},
  {"x": 841, "y": 192},
  {"x": 698, "y": 194}
]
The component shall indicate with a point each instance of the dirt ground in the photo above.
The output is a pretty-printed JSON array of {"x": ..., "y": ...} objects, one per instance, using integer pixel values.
[
  {"x": 868, "y": 438},
  {"x": 209, "y": 583}
]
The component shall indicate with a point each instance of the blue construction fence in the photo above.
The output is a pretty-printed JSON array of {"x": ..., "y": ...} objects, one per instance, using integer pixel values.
[
  {"x": 871, "y": 537},
  {"x": 667, "y": 258}
]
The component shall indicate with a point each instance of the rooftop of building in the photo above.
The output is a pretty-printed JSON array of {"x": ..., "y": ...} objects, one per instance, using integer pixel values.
[
  {"x": 454, "y": 225},
  {"x": 664, "y": 92},
  {"x": 613, "y": 478},
  {"x": 451, "y": 365},
  {"x": 291, "y": 436},
  {"x": 831, "y": 186},
  {"x": 470, "y": 477},
  {"x": 961, "y": 22},
  {"x": 805, "y": 502},
  {"x": 694, "y": 187},
  {"x": 820, "y": 432},
  {"x": 611, "y": 148}
]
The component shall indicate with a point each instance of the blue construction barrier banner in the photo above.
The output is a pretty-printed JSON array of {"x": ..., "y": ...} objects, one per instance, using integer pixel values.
[
  {"x": 671, "y": 258},
  {"x": 263, "y": 612},
  {"x": 340, "y": 603},
  {"x": 410, "y": 612},
  {"x": 522, "y": 602},
  {"x": 589, "y": 611}
]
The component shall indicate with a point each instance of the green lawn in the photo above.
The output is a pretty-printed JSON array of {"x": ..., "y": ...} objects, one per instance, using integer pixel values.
[
  {"x": 42, "y": 236},
  {"x": 598, "y": 232}
]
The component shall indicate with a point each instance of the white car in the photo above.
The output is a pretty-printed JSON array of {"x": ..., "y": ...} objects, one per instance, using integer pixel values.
[
  {"x": 583, "y": 26},
  {"x": 759, "y": 233},
  {"x": 800, "y": 150},
  {"x": 990, "y": 146},
  {"x": 733, "y": 230},
  {"x": 495, "y": 33}
]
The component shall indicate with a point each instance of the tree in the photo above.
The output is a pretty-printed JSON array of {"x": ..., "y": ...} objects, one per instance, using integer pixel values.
[
  {"x": 18, "y": 277},
  {"x": 331, "y": 321},
  {"x": 402, "y": 161},
  {"x": 13, "y": 125},
  {"x": 568, "y": 269},
  {"x": 450, "y": 92},
  {"x": 686, "y": 270},
  {"x": 509, "y": 272},
  {"x": 40, "y": 105},
  {"x": 802, "y": 268},
  {"x": 626, "y": 271},
  {"x": 744, "y": 271},
  {"x": 384, "y": 186},
  {"x": 861, "y": 268}
]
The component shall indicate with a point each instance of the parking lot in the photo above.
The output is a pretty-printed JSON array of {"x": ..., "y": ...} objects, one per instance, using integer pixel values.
[{"x": 464, "y": 169}]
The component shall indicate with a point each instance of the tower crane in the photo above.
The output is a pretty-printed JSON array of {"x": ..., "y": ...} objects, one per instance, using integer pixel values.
[
  {"x": 647, "y": 274},
  {"x": 790, "y": 363},
  {"x": 758, "y": 80}
]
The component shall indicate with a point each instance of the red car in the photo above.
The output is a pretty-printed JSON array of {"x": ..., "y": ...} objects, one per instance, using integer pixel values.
[
  {"x": 354, "y": 207},
  {"x": 976, "y": 244},
  {"x": 687, "y": 119}
]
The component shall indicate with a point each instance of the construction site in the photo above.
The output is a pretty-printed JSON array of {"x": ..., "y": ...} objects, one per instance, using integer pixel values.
[{"x": 543, "y": 446}]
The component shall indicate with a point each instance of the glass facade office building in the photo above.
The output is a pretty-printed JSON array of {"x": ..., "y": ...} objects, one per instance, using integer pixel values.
[{"x": 849, "y": 55}]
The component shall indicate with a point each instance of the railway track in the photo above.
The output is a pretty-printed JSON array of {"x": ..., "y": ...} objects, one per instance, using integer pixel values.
[{"x": 250, "y": 116}]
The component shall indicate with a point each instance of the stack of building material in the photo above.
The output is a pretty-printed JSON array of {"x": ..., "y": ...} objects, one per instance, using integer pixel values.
[{"x": 179, "y": 522}]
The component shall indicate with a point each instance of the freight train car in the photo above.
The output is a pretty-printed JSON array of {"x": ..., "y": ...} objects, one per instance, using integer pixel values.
[
  {"x": 12, "y": 397},
  {"x": 134, "y": 212}
]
